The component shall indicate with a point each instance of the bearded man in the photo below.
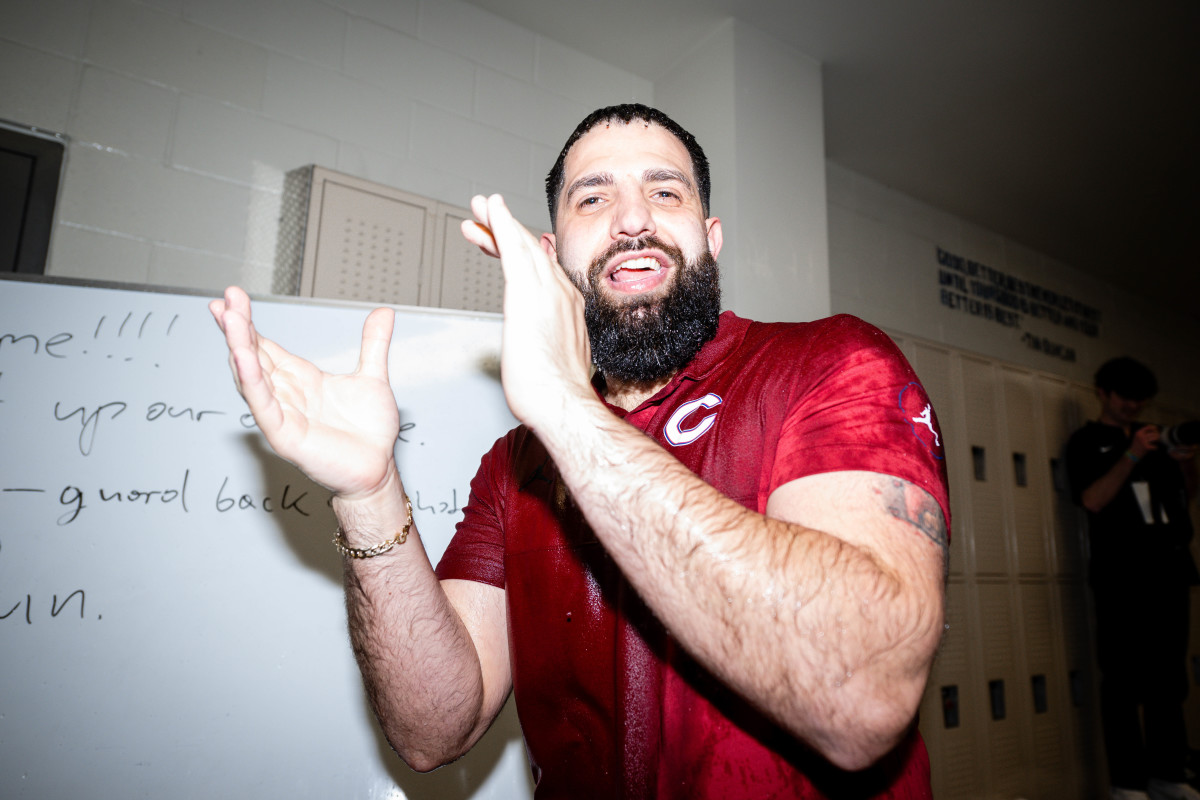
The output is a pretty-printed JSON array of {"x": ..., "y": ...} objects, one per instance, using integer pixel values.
[{"x": 713, "y": 568}]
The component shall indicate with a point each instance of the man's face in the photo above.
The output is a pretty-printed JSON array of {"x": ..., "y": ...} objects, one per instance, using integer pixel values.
[
  {"x": 632, "y": 236},
  {"x": 1118, "y": 410}
]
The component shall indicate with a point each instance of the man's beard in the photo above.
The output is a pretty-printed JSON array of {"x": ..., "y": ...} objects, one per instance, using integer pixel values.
[{"x": 646, "y": 339}]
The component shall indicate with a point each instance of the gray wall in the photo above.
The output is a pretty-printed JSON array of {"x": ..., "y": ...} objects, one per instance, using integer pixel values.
[
  {"x": 184, "y": 116},
  {"x": 884, "y": 252}
]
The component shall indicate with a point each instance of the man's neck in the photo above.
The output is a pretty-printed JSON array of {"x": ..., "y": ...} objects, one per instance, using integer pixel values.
[
  {"x": 1107, "y": 419},
  {"x": 631, "y": 394}
]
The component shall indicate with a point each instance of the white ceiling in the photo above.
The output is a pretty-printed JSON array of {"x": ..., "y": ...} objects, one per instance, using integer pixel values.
[{"x": 1072, "y": 128}]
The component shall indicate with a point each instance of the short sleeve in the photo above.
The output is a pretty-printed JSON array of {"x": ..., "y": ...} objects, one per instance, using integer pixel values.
[
  {"x": 857, "y": 404},
  {"x": 476, "y": 553}
]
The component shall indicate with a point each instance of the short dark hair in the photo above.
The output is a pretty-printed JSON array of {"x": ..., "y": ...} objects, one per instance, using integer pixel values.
[
  {"x": 1131, "y": 379},
  {"x": 626, "y": 113}
]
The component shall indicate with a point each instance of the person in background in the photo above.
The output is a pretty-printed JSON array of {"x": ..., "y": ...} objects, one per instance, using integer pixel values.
[
  {"x": 1136, "y": 492},
  {"x": 714, "y": 568}
]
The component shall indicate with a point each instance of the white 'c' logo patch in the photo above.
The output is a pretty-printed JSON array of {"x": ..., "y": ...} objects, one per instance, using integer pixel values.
[{"x": 677, "y": 434}]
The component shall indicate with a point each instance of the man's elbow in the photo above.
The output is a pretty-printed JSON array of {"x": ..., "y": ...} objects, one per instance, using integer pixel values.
[
  {"x": 858, "y": 757},
  {"x": 876, "y": 729},
  {"x": 425, "y": 761},
  {"x": 419, "y": 762},
  {"x": 874, "y": 711},
  {"x": 426, "y": 756}
]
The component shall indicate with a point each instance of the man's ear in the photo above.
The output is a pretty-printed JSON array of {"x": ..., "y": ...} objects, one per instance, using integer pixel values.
[
  {"x": 550, "y": 245},
  {"x": 715, "y": 238}
]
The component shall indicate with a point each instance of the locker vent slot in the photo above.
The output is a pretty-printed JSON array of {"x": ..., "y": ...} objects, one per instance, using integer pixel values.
[
  {"x": 1040, "y": 703},
  {"x": 950, "y": 706},
  {"x": 1020, "y": 474},
  {"x": 996, "y": 695},
  {"x": 979, "y": 460}
]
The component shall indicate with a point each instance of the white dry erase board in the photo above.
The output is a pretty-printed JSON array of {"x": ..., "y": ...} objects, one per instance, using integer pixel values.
[{"x": 171, "y": 615}]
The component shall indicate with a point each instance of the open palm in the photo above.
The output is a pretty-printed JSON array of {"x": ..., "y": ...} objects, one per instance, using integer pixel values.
[{"x": 339, "y": 429}]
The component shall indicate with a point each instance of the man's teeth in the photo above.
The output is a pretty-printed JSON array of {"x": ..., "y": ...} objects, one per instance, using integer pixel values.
[{"x": 641, "y": 263}]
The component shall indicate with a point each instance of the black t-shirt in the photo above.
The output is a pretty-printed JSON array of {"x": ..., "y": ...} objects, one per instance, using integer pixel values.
[{"x": 1144, "y": 532}]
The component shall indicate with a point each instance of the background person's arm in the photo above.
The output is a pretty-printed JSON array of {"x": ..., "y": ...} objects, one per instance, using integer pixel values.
[{"x": 1101, "y": 492}]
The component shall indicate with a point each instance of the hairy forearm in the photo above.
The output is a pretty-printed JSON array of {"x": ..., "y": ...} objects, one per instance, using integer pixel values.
[
  {"x": 817, "y": 632},
  {"x": 418, "y": 662}
]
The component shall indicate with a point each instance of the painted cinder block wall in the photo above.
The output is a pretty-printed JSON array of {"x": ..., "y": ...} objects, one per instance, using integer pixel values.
[{"x": 185, "y": 115}]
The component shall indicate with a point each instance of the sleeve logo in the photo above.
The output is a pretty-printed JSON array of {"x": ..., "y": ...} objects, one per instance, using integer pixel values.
[
  {"x": 678, "y": 435},
  {"x": 918, "y": 413}
]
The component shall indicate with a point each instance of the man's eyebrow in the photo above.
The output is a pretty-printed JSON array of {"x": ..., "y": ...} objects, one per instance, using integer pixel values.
[
  {"x": 652, "y": 175},
  {"x": 590, "y": 181},
  {"x": 663, "y": 174}
]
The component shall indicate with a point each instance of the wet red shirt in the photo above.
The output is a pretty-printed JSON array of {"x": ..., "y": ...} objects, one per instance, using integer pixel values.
[{"x": 610, "y": 705}]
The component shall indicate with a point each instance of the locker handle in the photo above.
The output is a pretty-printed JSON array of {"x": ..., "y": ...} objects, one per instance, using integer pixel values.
[
  {"x": 1041, "y": 703},
  {"x": 979, "y": 461},
  {"x": 950, "y": 706},
  {"x": 996, "y": 695}
]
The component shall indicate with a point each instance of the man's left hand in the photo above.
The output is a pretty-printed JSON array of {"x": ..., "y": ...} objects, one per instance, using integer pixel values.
[{"x": 545, "y": 359}]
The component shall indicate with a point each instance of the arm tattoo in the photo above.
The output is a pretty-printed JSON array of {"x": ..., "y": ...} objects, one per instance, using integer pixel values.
[{"x": 914, "y": 505}]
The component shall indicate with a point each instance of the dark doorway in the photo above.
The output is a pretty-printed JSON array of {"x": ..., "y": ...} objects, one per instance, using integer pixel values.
[{"x": 30, "y": 164}]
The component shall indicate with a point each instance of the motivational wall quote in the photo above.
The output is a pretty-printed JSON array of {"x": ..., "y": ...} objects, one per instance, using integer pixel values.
[{"x": 976, "y": 289}]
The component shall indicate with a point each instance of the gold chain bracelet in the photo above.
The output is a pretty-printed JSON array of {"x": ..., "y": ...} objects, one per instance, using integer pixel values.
[{"x": 339, "y": 540}]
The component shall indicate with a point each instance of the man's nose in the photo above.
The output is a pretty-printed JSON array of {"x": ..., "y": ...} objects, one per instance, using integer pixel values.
[{"x": 633, "y": 217}]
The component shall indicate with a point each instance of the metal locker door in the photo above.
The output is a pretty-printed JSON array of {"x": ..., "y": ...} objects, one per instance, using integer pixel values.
[
  {"x": 1083, "y": 687},
  {"x": 1002, "y": 694},
  {"x": 469, "y": 279},
  {"x": 365, "y": 241},
  {"x": 981, "y": 390},
  {"x": 952, "y": 716},
  {"x": 1054, "y": 771},
  {"x": 1027, "y": 473},
  {"x": 1059, "y": 420}
]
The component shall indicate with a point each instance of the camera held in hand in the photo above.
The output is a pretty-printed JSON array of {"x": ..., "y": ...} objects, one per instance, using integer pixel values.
[{"x": 1185, "y": 434}]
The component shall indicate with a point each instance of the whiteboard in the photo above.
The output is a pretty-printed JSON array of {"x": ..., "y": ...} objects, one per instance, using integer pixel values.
[{"x": 171, "y": 614}]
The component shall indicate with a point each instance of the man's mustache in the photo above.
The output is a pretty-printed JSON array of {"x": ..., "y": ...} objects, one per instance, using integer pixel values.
[{"x": 649, "y": 241}]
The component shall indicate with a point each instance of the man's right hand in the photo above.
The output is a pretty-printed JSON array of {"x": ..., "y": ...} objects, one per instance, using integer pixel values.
[
  {"x": 1145, "y": 439},
  {"x": 339, "y": 429}
]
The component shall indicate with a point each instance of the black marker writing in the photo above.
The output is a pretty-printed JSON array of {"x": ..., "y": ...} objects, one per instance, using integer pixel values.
[
  {"x": 56, "y": 608},
  {"x": 439, "y": 506},
  {"x": 156, "y": 410},
  {"x": 89, "y": 422},
  {"x": 246, "y": 502},
  {"x": 73, "y": 498},
  {"x": 33, "y": 342}
]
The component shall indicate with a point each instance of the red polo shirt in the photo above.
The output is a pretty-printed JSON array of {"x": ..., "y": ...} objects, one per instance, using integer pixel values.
[{"x": 610, "y": 705}]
